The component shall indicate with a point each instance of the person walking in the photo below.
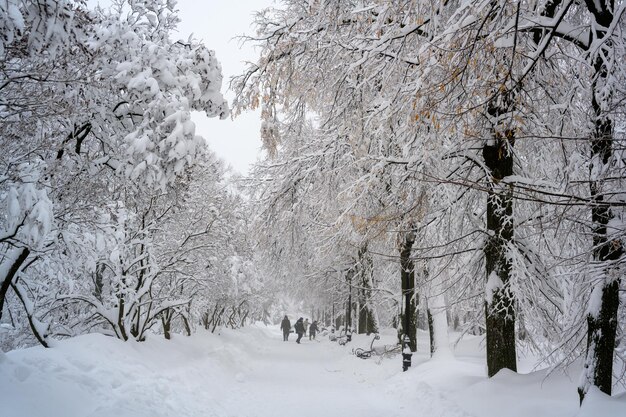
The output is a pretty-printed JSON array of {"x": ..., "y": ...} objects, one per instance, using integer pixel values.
[
  {"x": 285, "y": 326},
  {"x": 313, "y": 330},
  {"x": 299, "y": 326},
  {"x": 306, "y": 326}
]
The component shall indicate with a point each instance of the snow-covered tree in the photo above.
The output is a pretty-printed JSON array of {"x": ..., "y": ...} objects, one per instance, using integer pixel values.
[{"x": 97, "y": 140}]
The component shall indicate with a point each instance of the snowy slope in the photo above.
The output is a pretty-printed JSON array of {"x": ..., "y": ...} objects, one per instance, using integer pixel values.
[{"x": 252, "y": 372}]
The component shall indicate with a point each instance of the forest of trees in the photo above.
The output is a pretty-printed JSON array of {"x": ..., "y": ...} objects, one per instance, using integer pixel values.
[
  {"x": 468, "y": 153},
  {"x": 444, "y": 165}
]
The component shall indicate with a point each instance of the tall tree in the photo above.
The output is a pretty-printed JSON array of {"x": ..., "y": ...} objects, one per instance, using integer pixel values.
[{"x": 608, "y": 248}]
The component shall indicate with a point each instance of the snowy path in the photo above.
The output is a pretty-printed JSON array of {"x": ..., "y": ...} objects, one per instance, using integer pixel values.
[
  {"x": 320, "y": 378},
  {"x": 310, "y": 380},
  {"x": 251, "y": 372}
]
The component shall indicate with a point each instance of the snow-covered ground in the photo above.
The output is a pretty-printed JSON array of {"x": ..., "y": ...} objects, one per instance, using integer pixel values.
[{"x": 252, "y": 372}]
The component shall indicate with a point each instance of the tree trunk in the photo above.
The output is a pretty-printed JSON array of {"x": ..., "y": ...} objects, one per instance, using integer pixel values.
[
  {"x": 601, "y": 320},
  {"x": 205, "y": 320},
  {"x": 243, "y": 318},
  {"x": 98, "y": 282},
  {"x": 499, "y": 301},
  {"x": 209, "y": 323},
  {"x": 218, "y": 319},
  {"x": 231, "y": 321},
  {"x": 121, "y": 328},
  {"x": 135, "y": 323},
  {"x": 368, "y": 322},
  {"x": 407, "y": 273},
  {"x": 166, "y": 320},
  {"x": 186, "y": 324},
  {"x": 431, "y": 331},
  {"x": 349, "y": 305},
  {"x": 39, "y": 329},
  {"x": 11, "y": 271}
]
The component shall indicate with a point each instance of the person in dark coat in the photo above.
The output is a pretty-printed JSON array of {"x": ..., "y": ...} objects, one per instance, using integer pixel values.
[
  {"x": 299, "y": 326},
  {"x": 312, "y": 330},
  {"x": 285, "y": 326}
]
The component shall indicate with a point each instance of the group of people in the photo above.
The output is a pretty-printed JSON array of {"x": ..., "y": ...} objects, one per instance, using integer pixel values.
[{"x": 301, "y": 327}]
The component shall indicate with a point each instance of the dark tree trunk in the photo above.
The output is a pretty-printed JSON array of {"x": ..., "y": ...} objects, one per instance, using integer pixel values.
[
  {"x": 601, "y": 329},
  {"x": 362, "y": 323},
  {"x": 349, "y": 312},
  {"x": 210, "y": 322},
  {"x": 231, "y": 321},
  {"x": 98, "y": 282},
  {"x": 431, "y": 332},
  {"x": 601, "y": 324},
  {"x": 8, "y": 279},
  {"x": 41, "y": 334},
  {"x": 407, "y": 272},
  {"x": 367, "y": 320},
  {"x": 499, "y": 304},
  {"x": 349, "y": 276},
  {"x": 243, "y": 318},
  {"x": 218, "y": 318},
  {"x": 205, "y": 320},
  {"x": 186, "y": 325},
  {"x": 166, "y": 320},
  {"x": 121, "y": 328},
  {"x": 135, "y": 323}
]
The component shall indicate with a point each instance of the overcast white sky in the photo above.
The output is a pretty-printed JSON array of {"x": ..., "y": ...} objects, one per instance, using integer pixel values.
[{"x": 217, "y": 22}]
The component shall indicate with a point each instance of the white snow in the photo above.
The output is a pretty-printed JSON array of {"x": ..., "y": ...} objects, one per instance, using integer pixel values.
[
  {"x": 493, "y": 284},
  {"x": 599, "y": 404},
  {"x": 252, "y": 372},
  {"x": 595, "y": 300}
]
